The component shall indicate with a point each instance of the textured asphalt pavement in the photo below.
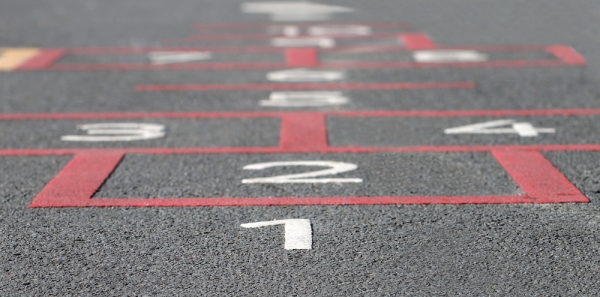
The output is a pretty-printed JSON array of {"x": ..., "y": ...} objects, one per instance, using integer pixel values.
[{"x": 357, "y": 250}]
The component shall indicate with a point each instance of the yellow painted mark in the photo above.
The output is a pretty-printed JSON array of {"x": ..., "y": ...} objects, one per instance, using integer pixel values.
[{"x": 11, "y": 58}]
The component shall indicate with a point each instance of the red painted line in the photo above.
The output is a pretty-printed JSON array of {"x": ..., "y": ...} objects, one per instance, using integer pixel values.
[
  {"x": 420, "y": 65},
  {"x": 197, "y": 202},
  {"x": 538, "y": 177},
  {"x": 302, "y": 57},
  {"x": 262, "y": 36},
  {"x": 145, "y": 50},
  {"x": 191, "y": 66},
  {"x": 304, "y": 132},
  {"x": 244, "y": 26},
  {"x": 567, "y": 54},
  {"x": 267, "y": 49},
  {"x": 322, "y": 65},
  {"x": 307, "y": 86},
  {"x": 291, "y": 150},
  {"x": 467, "y": 113},
  {"x": 252, "y": 114},
  {"x": 45, "y": 59},
  {"x": 79, "y": 180},
  {"x": 417, "y": 41}
]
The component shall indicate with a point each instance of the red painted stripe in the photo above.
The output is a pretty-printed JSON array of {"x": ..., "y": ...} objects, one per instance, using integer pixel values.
[
  {"x": 262, "y": 36},
  {"x": 417, "y": 41},
  {"x": 145, "y": 50},
  {"x": 251, "y": 114},
  {"x": 302, "y": 57},
  {"x": 211, "y": 66},
  {"x": 304, "y": 132},
  {"x": 540, "y": 180},
  {"x": 567, "y": 54},
  {"x": 267, "y": 49},
  {"x": 79, "y": 180},
  {"x": 298, "y": 149},
  {"x": 420, "y": 65},
  {"x": 389, "y": 25},
  {"x": 308, "y": 86},
  {"x": 45, "y": 59},
  {"x": 322, "y": 65},
  {"x": 196, "y": 202}
]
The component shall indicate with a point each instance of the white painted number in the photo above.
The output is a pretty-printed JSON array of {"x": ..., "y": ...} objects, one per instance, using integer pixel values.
[
  {"x": 304, "y": 75},
  {"x": 441, "y": 56},
  {"x": 294, "y": 11},
  {"x": 524, "y": 129},
  {"x": 323, "y": 42},
  {"x": 304, "y": 99},
  {"x": 347, "y": 30},
  {"x": 298, "y": 233},
  {"x": 308, "y": 177},
  {"x": 117, "y": 132},
  {"x": 161, "y": 58}
]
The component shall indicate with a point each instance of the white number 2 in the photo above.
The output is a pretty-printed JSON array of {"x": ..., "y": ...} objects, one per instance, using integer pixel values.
[{"x": 308, "y": 177}]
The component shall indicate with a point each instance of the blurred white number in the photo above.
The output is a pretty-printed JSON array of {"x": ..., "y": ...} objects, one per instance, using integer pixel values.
[
  {"x": 304, "y": 99},
  {"x": 117, "y": 132}
]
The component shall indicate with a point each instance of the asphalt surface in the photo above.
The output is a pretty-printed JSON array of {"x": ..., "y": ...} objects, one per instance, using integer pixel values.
[{"x": 522, "y": 249}]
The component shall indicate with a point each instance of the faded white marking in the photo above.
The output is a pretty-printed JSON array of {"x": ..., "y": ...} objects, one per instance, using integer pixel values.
[
  {"x": 441, "y": 56},
  {"x": 322, "y": 42},
  {"x": 304, "y": 75},
  {"x": 294, "y": 11},
  {"x": 117, "y": 132},
  {"x": 308, "y": 177},
  {"x": 161, "y": 58},
  {"x": 523, "y": 129},
  {"x": 298, "y": 233},
  {"x": 291, "y": 31},
  {"x": 304, "y": 99},
  {"x": 343, "y": 30}
]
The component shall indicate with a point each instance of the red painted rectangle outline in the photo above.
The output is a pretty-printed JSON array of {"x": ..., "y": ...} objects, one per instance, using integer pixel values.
[
  {"x": 84, "y": 175},
  {"x": 306, "y": 86},
  {"x": 566, "y": 56},
  {"x": 306, "y": 132}
]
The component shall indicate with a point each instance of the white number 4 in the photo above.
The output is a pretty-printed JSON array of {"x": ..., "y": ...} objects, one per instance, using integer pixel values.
[
  {"x": 308, "y": 177},
  {"x": 523, "y": 129}
]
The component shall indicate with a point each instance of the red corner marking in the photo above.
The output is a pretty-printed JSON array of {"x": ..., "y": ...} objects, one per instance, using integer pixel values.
[
  {"x": 79, "y": 180},
  {"x": 538, "y": 177},
  {"x": 567, "y": 54},
  {"x": 417, "y": 41},
  {"x": 44, "y": 60}
]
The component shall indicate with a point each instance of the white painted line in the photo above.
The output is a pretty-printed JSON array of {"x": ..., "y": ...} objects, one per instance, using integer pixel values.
[
  {"x": 117, "y": 132},
  {"x": 345, "y": 30},
  {"x": 322, "y": 42},
  {"x": 294, "y": 11},
  {"x": 305, "y": 75},
  {"x": 162, "y": 58},
  {"x": 441, "y": 56},
  {"x": 303, "y": 178},
  {"x": 298, "y": 233},
  {"x": 523, "y": 129},
  {"x": 304, "y": 99}
]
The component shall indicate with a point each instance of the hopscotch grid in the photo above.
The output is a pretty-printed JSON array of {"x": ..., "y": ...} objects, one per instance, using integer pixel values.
[{"x": 313, "y": 139}]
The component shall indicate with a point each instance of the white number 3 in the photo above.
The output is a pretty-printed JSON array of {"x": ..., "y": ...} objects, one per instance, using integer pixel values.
[{"x": 308, "y": 177}]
